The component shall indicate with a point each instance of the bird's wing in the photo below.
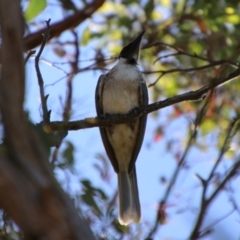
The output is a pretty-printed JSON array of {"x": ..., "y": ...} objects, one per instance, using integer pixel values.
[
  {"x": 143, "y": 101},
  {"x": 103, "y": 132}
]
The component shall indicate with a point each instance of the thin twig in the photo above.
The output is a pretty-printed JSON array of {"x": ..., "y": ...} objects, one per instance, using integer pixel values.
[
  {"x": 234, "y": 202},
  {"x": 46, "y": 113},
  {"x": 29, "y": 54},
  {"x": 187, "y": 69},
  {"x": 54, "y": 155},
  {"x": 181, "y": 52},
  {"x": 98, "y": 60},
  {"x": 88, "y": 68},
  {"x": 227, "y": 139},
  {"x": 231, "y": 173},
  {"x": 74, "y": 65},
  {"x": 53, "y": 65},
  {"x": 208, "y": 229},
  {"x": 195, "y": 233},
  {"x": 163, "y": 72},
  {"x": 166, "y": 56}
]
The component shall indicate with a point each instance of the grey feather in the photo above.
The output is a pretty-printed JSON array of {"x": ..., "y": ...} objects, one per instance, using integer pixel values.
[{"x": 129, "y": 205}]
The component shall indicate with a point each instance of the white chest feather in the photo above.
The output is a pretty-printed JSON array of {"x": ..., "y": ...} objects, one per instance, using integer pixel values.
[{"x": 121, "y": 89}]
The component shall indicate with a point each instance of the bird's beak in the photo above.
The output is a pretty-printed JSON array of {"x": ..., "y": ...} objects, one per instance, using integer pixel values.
[{"x": 132, "y": 49}]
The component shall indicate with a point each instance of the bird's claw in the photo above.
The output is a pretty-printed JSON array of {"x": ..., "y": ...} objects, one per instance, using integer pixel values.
[{"x": 133, "y": 110}]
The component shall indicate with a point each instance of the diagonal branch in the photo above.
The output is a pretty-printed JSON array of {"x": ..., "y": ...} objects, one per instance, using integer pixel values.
[
  {"x": 118, "y": 119},
  {"x": 35, "y": 39}
]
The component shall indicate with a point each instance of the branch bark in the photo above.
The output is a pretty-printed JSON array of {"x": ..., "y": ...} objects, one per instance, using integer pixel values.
[
  {"x": 35, "y": 39},
  {"x": 136, "y": 113}
]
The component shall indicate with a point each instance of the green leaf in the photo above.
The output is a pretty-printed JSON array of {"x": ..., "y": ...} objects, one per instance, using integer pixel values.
[
  {"x": 230, "y": 153},
  {"x": 165, "y": 3},
  {"x": 234, "y": 19},
  {"x": 90, "y": 201},
  {"x": 149, "y": 7},
  {"x": 90, "y": 194},
  {"x": 124, "y": 21},
  {"x": 179, "y": 6},
  {"x": 67, "y": 157},
  {"x": 86, "y": 37},
  {"x": 207, "y": 126},
  {"x": 68, "y": 152},
  {"x": 96, "y": 191},
  {"x": 113, "y": 7},
  {"x": 34, "y": 8}
]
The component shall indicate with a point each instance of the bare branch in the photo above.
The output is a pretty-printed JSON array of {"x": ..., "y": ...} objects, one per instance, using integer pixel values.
[
  {"x": 35, "y": 39},
  {"x": 46, "y": 113},
  {"x": 181, "y": 52},
  {"x": 229, "y": 136},
  {"x": 163, "y": 72},
  {"x": 29, "y": 54},
  {"x": 136, "y": 113},
  {"x": 199, "y": 119},
  {"x": 209, "y": 228},
  {"x": 205, "y": 202},
  {"x": 74, "y": 65}
]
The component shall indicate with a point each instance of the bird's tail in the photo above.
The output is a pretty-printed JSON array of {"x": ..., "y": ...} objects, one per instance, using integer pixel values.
[{"x": 129, "y": 205}]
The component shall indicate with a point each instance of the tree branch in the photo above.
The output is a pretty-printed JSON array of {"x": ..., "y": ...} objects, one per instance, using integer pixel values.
[
  {"x": 205, "y": 202},
  {"x": 197, "y": 122},
  {"x": 181, "y": 52},
  {"x": 136, "y": 113},
  {"x": 35, "y": 39},
  {"x": 74, "y": 65},
  {"x": 45, "y": 112},
  {"x": 163, "y": 72}
]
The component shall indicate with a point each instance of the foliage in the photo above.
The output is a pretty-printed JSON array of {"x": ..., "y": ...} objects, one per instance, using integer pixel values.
[{"x": 34, "y": 8}]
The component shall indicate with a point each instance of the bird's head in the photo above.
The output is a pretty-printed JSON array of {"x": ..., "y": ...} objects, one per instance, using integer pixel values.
[{"x": 131, "y": 51}]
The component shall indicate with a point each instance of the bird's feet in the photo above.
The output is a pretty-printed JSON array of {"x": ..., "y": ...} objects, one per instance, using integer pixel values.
[{"x": 133, "y": 110}]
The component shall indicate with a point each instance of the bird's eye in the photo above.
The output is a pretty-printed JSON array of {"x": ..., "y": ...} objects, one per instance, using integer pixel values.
[{"x": 131, "y": 61}]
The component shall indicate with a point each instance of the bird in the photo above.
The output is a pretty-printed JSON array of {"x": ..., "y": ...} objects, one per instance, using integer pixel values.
[{"x": 120, "y": 91}]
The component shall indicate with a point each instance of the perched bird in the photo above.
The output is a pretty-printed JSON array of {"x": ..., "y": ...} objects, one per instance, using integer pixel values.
[{"x": 122, "y": 89}]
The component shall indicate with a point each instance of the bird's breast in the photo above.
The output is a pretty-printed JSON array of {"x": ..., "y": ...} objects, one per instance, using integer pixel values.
[{"x": 121, "y": 92}]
